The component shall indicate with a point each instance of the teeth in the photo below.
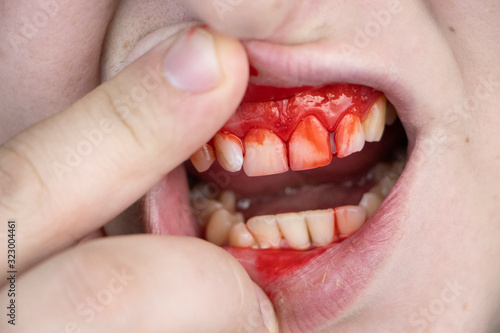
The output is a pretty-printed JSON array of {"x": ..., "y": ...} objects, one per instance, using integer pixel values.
[
  {"x": 390, "y": 115},
  {"x": 371, "y": 202},
  {"x": 218, "y": 227},
  {"x": 321, "y": 224},
  {"x": 265, "y": 153},
  {"x": 228, "y": 200},
  {"x": 205, "y": 214},
  {"x": 240, "y": 236},
  {"x": 385, "y": 185},
  {"x": 374, "y": 124},
  {"x": 309, "y": 145},
  {"x": 349, "y": 136},
  {"x": 294, "y": 229},
  {"x": 229, "y": 151},
  {"x": 265, "y": 231},
  {"x": 349, "y": 219},
  {"x": 203, "y": 158}
]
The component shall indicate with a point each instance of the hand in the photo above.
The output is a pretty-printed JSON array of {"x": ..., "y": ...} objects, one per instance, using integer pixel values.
[{"x": 68, "y": 175}]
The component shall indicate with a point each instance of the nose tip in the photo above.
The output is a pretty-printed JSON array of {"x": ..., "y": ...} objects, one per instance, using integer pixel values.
[{"x": 256, "y": 19}]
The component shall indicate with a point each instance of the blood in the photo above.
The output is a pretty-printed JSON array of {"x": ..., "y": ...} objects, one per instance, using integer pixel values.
[
  {"x": 271, "y": 264},
  {"x": 281, "y": 109},
  {"x": 253, "y": 71}
]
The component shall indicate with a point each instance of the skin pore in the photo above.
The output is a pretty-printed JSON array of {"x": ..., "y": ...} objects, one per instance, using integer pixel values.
[{"x": 436, "y": 61}]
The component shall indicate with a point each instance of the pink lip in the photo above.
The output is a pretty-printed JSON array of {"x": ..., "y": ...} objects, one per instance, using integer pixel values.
[{"x": 312, "y": 289}]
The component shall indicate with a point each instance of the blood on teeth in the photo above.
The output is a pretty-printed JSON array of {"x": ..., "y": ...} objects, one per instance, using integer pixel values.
[
  {"x": 309, "y": 146},
  {"x": 299, "y": 231},
  {"x": 265, "y": 153},
  {"x": 349, "y": 137},
  {"x": 229, "y": 151}
]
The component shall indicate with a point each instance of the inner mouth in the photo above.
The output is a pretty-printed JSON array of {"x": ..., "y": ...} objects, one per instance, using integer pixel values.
[{"x": 297, "y": 168}]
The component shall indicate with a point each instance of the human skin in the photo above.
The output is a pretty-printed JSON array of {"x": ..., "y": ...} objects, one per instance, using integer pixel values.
[{"x": 431, "y": 57}]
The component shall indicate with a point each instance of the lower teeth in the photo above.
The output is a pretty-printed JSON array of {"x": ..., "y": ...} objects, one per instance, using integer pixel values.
[{"x": 299, "y": 231}]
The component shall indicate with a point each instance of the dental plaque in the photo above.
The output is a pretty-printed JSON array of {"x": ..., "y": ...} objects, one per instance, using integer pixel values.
[{"x": 288, "y": 131}]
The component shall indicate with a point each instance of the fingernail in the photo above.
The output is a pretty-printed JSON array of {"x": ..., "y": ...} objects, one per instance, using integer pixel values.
[
  {"x": 267, "y": 311},
  {"x": 191, "y": 63}
]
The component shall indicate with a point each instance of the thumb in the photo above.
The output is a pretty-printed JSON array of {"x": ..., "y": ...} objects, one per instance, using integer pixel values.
[
  {"x": 71, "y": 173},
  {"x": 144, "y": 284}
]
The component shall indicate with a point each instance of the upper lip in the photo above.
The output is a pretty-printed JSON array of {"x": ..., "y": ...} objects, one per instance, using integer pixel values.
[{"x": 309, "y": 292}]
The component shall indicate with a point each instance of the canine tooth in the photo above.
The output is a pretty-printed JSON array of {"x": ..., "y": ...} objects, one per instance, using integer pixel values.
[
  {"x": 374, "y": 124},
  {"x": 203, "y": 158},
  {"x": 390, "y": 114},
  {"x": 229, "y": 151},
  {"x": 371, "y": 202},
  {"x": 265, "y": 153},
  {"x": 218, "y": 227},
  {"x": 228, "y": 200},
  {"x": 309, "y": 146},
  {"x": 294, "y": 229},
  {"x": 349, "y": 219},
  {"x": 349, "y": 136},
  {"x": 265, "y": 231},
  {"x": 321, "y": 224},
  {"x": 239, "y": 236}
]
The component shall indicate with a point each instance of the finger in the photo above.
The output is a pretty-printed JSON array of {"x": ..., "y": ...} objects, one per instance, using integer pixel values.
[
  {"x": 71, "y": 173},
  {"x": 142, "y": 284}
]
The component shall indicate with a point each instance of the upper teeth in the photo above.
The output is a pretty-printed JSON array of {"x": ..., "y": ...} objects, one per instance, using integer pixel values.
[{"x": 262, "y": 152}]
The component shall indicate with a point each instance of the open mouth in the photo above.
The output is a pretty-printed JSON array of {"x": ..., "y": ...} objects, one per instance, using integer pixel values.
[{"x": 297, "y": 185}]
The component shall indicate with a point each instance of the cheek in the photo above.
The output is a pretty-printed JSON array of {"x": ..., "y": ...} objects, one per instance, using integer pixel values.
[{"x": 51, "y": 59}]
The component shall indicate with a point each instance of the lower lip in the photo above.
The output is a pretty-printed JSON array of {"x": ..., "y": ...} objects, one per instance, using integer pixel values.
[{"x": 310, "y": 287}]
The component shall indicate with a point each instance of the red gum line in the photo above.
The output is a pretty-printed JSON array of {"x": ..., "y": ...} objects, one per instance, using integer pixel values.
[{"x": 281, "y": 109}]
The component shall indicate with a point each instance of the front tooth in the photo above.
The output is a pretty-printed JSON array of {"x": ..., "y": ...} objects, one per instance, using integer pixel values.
[
  {"x": 218, "y": 227},
  {"x": 349, "y": 219},
  {"x": 229, "y": 151},
  {"x": 265, "y": 231},
  {"x": 239, "y": 236},
  {"x": 203, "y": 158},
  {"x": 321, "y": 224},
  {"x": 349, "y": 136},
  {"x": 265, "y": 153},
  {"x": 294, "y": 229},
  {"x": 371, "y": 202},
  {"x": 309, "y": 146},
  {"x": 374, "y": 124},
  {"x": 228, "y": 200}
]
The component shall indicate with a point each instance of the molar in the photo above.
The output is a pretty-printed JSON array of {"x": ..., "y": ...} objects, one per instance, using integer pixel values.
[
  {"x": 229, "y": 151},
  {"x": 309, "y": 146},
  {"x": 349, "y": 136},
  {"x": 265, "y": 153},
  {"x": 228, "y": 200},
  {"x": 374, "y": 123}
]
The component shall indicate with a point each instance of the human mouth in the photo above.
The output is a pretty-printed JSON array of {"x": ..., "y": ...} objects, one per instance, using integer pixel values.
[{"x": 298, "y": 186}]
